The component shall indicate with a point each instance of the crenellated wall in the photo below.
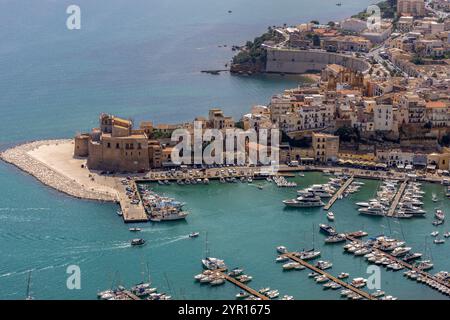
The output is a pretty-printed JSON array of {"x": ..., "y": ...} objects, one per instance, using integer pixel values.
[{"x": 302, "y": 61}]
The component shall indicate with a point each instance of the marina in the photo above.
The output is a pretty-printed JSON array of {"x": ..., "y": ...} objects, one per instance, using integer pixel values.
[
  {"x": 397, "y": 199},
  {"x": 329, "y": 276},
  {"x": 339, "y": 193}
]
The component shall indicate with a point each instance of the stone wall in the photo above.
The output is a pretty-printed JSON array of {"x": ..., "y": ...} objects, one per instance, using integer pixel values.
[{"x": 302, "y": 61}]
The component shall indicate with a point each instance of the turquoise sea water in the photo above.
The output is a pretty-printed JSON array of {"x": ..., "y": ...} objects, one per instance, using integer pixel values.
[{"x": 142, "y": 59}]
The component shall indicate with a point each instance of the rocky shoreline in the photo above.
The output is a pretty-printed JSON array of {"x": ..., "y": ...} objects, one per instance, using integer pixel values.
[{"x": 19, "y": 157}]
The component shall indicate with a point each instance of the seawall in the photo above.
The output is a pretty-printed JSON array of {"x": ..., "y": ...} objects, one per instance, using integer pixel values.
[{"x": 302, "y": 61}]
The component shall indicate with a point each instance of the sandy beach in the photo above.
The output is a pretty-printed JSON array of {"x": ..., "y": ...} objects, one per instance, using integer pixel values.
[{"x": 52, "y": 163}]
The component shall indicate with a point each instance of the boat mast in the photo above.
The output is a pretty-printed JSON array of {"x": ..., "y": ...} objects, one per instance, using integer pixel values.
[
  {"x": 148, "y": 273},
  {"x": 206, "y": 245},
  {"x": 29, "y": 297}
]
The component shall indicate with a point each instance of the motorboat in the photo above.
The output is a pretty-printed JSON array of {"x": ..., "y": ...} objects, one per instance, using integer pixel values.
[
  {"x": 307, "y": 255},
  {"x": 358, "y": 282},
  {"x": 434, "y": 233},
  {"x": 373, "y": 210},
  {"x": 272, "y": 294},
  {"x": 323, "y": 265},
  {"x": 244, "y": 278},
  {"x": 336, "y": 238},
  {"x": 281, "y": 249},
  {"x": 290, "y": 265},
  {"x": 321, "y": 279},
  {"x": 306, "y": 201},
  {"x": 439, "y": 214},
  {"x": 343, "y": 275},
  {"x": 194, "y": 234},
  {"x": 327, "y": 229},
  {"x": 411, "y": 256},
  {"x": 236, "y": 272},
  {"x": 211, "y": 263},
  {"x": 281, "y": 259},
  {"x": 287, "y": 297},
  {"x": 264, "y": 290},
  {"x": 378, "y": 294},
  {"x": 439, "y": 241},
  {"x": 134, "y": 229},
  {"x": 400, "y": 251},
  {"x": 242, "y": 295},
  {"x": 424, "y": 265},
  {"x": 217, "y": 281},
  {"x": 137, "y": 242},
  {"x": 330, "y": 216}
]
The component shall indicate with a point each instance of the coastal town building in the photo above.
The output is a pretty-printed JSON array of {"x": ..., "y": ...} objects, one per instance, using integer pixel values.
[
  {"x": 415, "y": 8},
  {"x": 325, "y": 147}
]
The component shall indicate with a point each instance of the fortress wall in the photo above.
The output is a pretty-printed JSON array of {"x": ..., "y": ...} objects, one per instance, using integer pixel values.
[{"x": 301, "y": 61}]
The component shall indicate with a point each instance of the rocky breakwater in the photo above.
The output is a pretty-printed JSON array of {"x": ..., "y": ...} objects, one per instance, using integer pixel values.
[{"x": 19, "y": 156}]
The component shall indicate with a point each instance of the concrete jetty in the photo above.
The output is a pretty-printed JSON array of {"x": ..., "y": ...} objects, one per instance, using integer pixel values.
[{"x": 338, "y": 193}]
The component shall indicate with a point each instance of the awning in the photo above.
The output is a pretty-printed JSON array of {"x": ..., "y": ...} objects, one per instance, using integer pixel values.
[
  {"x": 431, "y": 167},
  {"x": 408, "y": 167}
]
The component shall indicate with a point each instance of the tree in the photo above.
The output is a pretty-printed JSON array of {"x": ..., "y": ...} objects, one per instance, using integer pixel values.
[
  {"x": 332, "y": 24},
  {"x": 315, "y": 22}
]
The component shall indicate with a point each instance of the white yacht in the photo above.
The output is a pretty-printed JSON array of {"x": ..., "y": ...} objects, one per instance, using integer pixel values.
[
  {"x": 373, "y": 210},
  {"x": 306, "y": 201},
  {"x": 330, "y": 216},
  {"x": 213, "y": 263},
  {"x": 317, "y": 190},
  {"x": 439, "y": 214},
  {"x": 281, "y": 249}
]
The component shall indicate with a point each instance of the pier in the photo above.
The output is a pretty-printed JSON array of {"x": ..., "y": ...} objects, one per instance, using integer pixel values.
[
  {"x": 329, "y": 276},
  {"x": 397, "y": 198},
  {"x": 241, "y": 285},
  {"x": 405, "y": 264},
  {"x": 130, "y": 212},
  {"x": 131, "y": 295},
  {"x": 338, "y": 193}
]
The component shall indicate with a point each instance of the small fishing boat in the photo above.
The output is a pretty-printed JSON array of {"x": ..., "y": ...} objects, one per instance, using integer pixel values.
[
  {"x": 119, "y": 213},
  {"x": 434, "y": 233},
  {"x": 343, "y": 275},
  {"x": 439, "y": 241},
  {"x": 447, "y": 234},
  {"x": 137, "y": 242},
  {"x": 134, "y": 229},
  {"x": 194, "y": 234}
]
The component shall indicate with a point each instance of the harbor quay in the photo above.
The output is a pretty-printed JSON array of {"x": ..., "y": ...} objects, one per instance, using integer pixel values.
[{"x": 53, "y": 163}]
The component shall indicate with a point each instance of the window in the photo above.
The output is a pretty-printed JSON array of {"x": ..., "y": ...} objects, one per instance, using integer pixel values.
[
  {"x": 108, "y": 145},
  {"x": 117, "y": 146}
]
